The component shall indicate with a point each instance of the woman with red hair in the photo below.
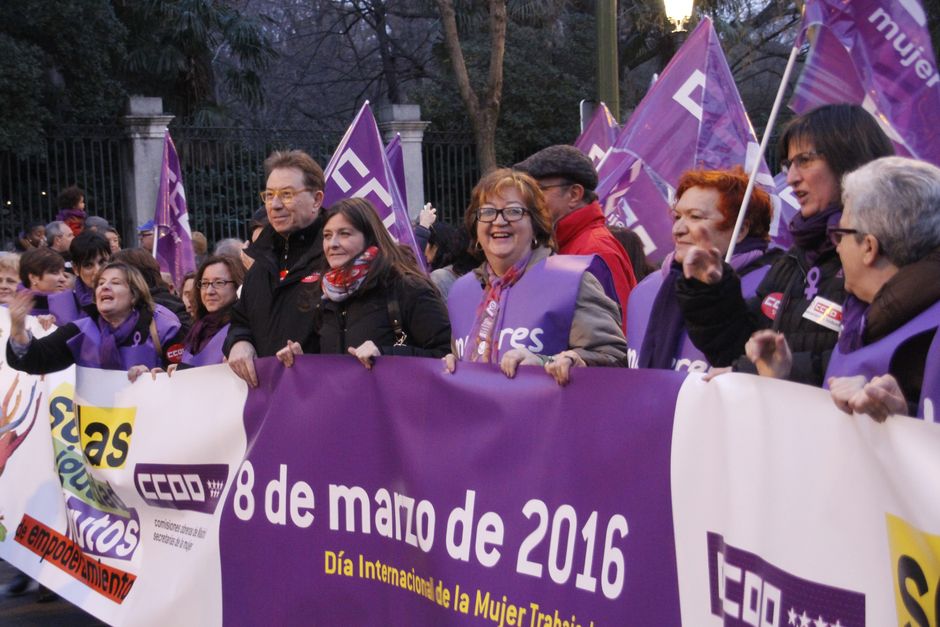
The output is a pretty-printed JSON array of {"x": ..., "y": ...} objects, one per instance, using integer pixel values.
[{"x": 706, "y": 208}]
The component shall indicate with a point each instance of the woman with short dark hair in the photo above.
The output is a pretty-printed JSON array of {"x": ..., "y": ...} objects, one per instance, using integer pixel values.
[
  {"x": 89, "y": 251},
  {"x": 802, "y": 294}
]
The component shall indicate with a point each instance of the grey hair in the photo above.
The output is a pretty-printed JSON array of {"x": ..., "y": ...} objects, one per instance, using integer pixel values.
[
  {"x": 230, "y": 246},
  {"x": 54, "y": 229},
  {"x": 897, "y": 200}
]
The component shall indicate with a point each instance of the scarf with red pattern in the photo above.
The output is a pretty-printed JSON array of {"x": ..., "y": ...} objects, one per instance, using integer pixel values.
[{"x": 341, "y": 283}]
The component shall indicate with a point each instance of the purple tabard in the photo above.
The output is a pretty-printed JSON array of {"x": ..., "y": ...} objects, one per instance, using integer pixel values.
[
  {"x": 640, "y": 306},
  {"x": 875, "y": 359},
  {"x": 64, "y": 307},
  {"x": 929, "y": 407},
  {"x": 210, "y": 354},
  {"x": 539, "y": 307},
  {"x": 139, "y": 351}
]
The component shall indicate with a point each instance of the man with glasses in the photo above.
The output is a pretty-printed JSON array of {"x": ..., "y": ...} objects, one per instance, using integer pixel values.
[
  {"x": 282, "y": 287},
  {"x": 567, "y": 178}
]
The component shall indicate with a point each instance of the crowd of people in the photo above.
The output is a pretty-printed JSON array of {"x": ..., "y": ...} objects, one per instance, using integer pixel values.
[{"x": 533, "y": 277}]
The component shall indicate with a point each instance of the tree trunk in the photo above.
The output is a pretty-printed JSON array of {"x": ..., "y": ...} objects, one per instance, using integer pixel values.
[{"x": 482, "y": 108}]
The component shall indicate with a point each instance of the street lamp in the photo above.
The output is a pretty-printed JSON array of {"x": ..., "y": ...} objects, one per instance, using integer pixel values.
[{"x": 677, "y": 12}]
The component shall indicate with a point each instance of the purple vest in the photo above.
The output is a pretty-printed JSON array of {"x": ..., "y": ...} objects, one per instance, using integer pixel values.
[
  {"x": 139, "y": 349},
  {"x": 210, "y": 354},
  {"x": 875, "y": 359},
  {"x": 929, "y": 407},
  {"x": 640, "y": 306},
  {"x": 539, "y": 307}
]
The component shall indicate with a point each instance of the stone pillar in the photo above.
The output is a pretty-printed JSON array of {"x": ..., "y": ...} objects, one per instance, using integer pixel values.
[
  {"x": 406, "y": 121},
  {"x": 144, "y": 126}
]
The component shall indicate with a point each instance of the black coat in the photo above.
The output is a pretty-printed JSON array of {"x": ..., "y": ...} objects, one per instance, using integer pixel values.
[
  {"x": 272, "y": 310},
  {"x": 719, "y": 321},
  {"x": 366, "y": 316}
]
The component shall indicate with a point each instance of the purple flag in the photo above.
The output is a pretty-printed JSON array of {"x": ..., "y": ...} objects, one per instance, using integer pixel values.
[
  {"x": 397, "y": 161},
  {"x": 879, "y": 55},
  {"x": 174, "y": 239},
  {"x": 692, "y": 117},
  {"x": 599, "y": 136},
  {"x": 627, "y": 190},
  {"x": 360, "y": 169}
]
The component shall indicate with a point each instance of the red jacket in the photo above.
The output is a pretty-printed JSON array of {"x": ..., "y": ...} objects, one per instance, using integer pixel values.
[{"x": 584, "y": 232}]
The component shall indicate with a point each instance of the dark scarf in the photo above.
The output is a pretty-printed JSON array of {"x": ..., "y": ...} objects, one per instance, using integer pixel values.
[
  {"x": 913, "y": 289},
  {"x": 109, "y": 356},
  {"x": 205, "y": 329},
  {"x": 810, "y": 233},
  {"x": 666, "y": 324}
]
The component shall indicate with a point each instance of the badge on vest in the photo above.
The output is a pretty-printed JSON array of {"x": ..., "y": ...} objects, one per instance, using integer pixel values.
[{"x": 825, "y": 312}]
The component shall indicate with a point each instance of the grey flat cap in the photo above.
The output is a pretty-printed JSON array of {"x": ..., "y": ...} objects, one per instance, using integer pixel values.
[{"x": 563, "y": 161}]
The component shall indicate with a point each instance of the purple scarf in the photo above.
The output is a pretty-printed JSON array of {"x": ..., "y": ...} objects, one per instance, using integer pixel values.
[
  {"x": 206, "y": 328},
  {"x": 664, "y": 333},
  {"x": 484, "y": 333},
  {"x": 810, "y": 233},
  {"x": 83, "y": 294},
  {"x": 111, "y": 338}
]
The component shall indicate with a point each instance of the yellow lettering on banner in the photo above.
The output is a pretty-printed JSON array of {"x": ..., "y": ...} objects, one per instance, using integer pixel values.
[
  {"x": 915, "y": 565},
  {"x": 106, "y": 434}
]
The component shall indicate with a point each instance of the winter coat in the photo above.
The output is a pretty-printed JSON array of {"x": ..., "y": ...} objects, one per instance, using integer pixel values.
[{"x": 273, "y": 309}]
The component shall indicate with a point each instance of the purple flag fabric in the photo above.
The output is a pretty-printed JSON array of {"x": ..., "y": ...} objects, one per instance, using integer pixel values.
[
  {"x": 692, "y": 117},
  {"x": 505, "y": 502},
  {"x": 632, "y": 199},
  {"x": 879, "y": 55},
  {"x": 397, "y": 162},
  {"x": 599, "y": 135},
  {"x": 360, "y": 169},
  {"x": 174, "y": 239}
]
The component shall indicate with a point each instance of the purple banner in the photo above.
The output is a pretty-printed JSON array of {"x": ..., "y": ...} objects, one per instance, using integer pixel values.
[
  {"x": 348, "y": 510},
  {"x": 359, "y": 169},
  {"x": 879, "y": 55},
  {"x": 599, "y": 135},
  {"x": 174, "y": 239}
]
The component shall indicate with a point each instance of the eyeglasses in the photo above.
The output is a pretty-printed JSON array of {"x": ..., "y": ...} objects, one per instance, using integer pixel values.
[
  {"x": 286, "y": 195},
  {"x": 544, "y": 187},
  {"x": 217, "y": 284},
  {"x": 836, "y": 234},
  {"x": 800, "y": 161},
  {"x": 510, "y": 214}
]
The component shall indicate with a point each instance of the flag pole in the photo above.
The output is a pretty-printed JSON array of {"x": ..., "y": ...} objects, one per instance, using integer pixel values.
[{"x": 763, "y": 148}]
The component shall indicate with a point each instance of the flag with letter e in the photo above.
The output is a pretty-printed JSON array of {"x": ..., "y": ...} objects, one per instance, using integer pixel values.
[
  {"x": 360, "y": 169},
  {"x": 173, "y": 247},
  {"x": 879, "y": 55}
]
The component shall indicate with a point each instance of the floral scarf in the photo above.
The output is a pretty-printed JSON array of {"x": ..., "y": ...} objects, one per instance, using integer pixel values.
[{"x": 341, "y": 283}]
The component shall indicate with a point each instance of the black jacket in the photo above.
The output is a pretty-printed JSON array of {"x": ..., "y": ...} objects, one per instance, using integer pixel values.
[
  {"x": 367, "y": 316},
  {"x": 272, "y": 310},
  {"x": 719, "y": 321}
]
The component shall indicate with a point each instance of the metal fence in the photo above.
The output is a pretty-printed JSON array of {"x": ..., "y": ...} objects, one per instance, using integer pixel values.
[
  {"x": 88, "y": 156},
  {"x": 222, "y": 174},
  {"x": 451, "y": 170}
]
